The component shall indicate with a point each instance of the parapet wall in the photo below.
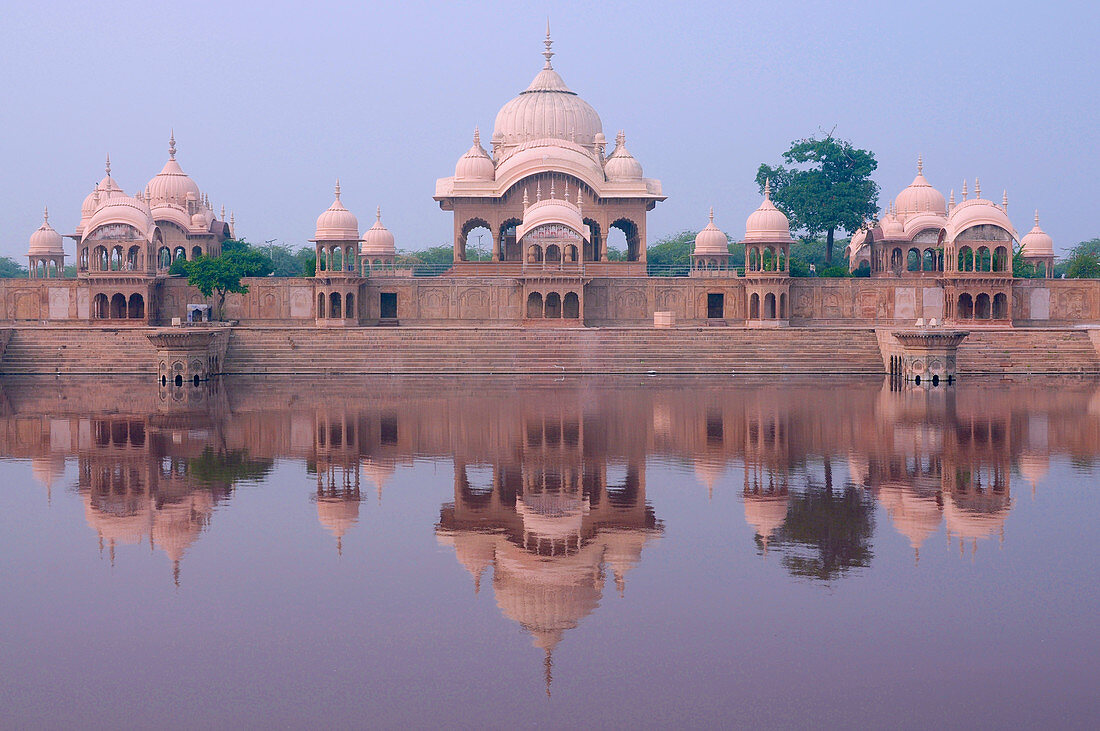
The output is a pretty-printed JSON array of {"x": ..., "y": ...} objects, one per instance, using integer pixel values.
[{"x": 607, "y": 301}]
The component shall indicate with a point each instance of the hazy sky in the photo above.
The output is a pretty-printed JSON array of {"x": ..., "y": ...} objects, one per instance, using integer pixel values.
[{"x": 271, "y": 103}]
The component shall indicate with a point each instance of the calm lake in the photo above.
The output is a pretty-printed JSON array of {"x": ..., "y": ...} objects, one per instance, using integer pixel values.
[{"x": 359, "y": 551}]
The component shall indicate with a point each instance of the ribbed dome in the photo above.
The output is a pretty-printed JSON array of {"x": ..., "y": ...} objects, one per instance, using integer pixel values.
[
  {"x": 767, "y": 223},
  {"x": 45, "y": 241},
  {"x": 378, "y": 241},
  {"x": 476, "y": 163},
  {"x": 892, "y": 228},
  {"x": 122, "y": 209},
  {"x": 337, "y": 223},
  {"x": 621, "y": 165},
  {"x": 550, "y": 210},
  {"x": 978, "y": 212},
  {"x": 171, "y": 184},
  {"x": 547, "y": 109},
  {"x": 711, "y": 240},
  {"x": 103, "y": 190},
  {"x": 1037, "y": 242},
  {"x": 920, "y": 196}
]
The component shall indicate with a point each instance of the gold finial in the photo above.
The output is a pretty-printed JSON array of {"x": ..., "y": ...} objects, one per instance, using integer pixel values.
[
  {"x": 548, "y": 54},
  {"x": 172, "y": 146}
]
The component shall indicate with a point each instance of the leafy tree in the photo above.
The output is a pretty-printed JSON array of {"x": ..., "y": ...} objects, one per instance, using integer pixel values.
[
  {"x": 11, "y": 269},
  {"x": 672, "y": 254},
  {"x": 226, "y": 468},
  {"x": 307, "y": 262},
  {"x": 286, "y": 262},
  {"x": 1083, "y": 264},
  {"x": 442, "y": 255},
  {"x": 178, "y": 268},
  {"x": 250, "y": 262},
  {"x": 218, "y": 275},
  {"x": 1022, "y": 269},
  {"x": 825, "y": 185}
]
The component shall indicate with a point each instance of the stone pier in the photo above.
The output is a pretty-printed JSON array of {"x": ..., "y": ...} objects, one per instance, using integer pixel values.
[
  {"x": 926, "y": 357},
  {"x": 189, "y": 354}
]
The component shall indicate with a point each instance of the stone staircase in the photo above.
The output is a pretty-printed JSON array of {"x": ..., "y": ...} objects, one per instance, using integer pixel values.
[
  {"x": 534, "y": 351},
  {"x": 78, "y": 350},
  {"x": 1028, "y": 351}
]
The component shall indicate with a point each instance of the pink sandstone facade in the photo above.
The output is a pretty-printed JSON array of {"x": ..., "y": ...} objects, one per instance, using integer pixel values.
[{"x": 548, "y": 193}]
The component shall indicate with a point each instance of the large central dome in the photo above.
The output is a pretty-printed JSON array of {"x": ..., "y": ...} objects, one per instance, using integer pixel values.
[{"x": 547, "y": 109}]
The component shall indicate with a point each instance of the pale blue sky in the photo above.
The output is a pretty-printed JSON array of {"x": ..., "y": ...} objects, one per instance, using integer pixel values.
[{"x": 270, "y": 103}]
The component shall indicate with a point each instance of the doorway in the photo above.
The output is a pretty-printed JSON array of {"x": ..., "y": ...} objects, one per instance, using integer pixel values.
[
  {"x": 388, "y": 306},
  {"x": 716, "y": 304}
]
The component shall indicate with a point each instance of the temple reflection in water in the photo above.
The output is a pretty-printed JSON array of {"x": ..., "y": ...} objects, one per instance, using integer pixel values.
[{"x": 550, "y": 482}]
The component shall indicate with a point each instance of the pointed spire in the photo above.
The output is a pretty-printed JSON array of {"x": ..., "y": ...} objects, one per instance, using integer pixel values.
[
  {"x": 565, "y": 193},
  {"x": 108, "y": 166},
  {"x": 951, "y": 200},
  {"x": 525, "y": 199},
  {"x": 378, "y": 214},
  {"x": 620, "y": 139},
  {"x": 233, "y": 225},
  {"x": 977, "y": 187},
  {"x": 712, "y": 215},
  {"x": 548, "y": 54},
  {"x": 223, "y": 213},
  {"x": 767, "y": 188},
  {"x": 920, "y": 164},
  {"x": 336, "y": 190},
  {"x": 964, "y": 189},
  {"x": 477, "y": 136},
  {"x": 551, "y": 189},
  {"x": 538, "y": 191},
  {"x": 172, "y": 146},
  {"x": 1036, "y": 218},
  {"x": 46, "y": 216},
  {"x": 1004, "y": 200}
]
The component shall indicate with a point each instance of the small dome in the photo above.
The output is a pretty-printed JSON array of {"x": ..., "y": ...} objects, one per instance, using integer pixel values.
[
  {"x": 978, "y": 212},
  {"x": 378, "y": 241},
  {"x": 892, "y": 228},
  {"x": 103, "y": 190},
  {"x": 199, "y": 221},
  {"x": 767, "y": 223},
  {"x": 621, "y": 165},
  {"x": 1037, "y": 242},
  {"x": 171, "y": 185},
  {"x": 920, "y": 196},
  {"x": 476, "y": 163},
  {"x": 45, "y": 241},
  {"x": 337, "y": 223},
  {"x": 711, "y": 240}
]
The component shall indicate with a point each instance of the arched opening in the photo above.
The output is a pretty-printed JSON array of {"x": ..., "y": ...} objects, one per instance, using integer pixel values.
[
  {"x": 470, "y": 248},
  {"x": 1000, "y": 259},
  {"x": 912, "y": 261},
  {"x": 102, "y": 263},
  {"x": 510, "y": 249},
  {"x": 179, "y": 253},
  {"x": 985, "y": 261},
  {"x": 534, "y": 254},
  {"x": 783, "y": 306},
  {"x": 196, "y": 252},
  {"x": 982, "y": 310},
  {"x": 553, "y": 254},
  {"x": 349, "y": 306},
  {"x": 754, "y": 259},
  {"x": 553, "y": 305},
  {"x": 334, "y": 310},
  {"x": 82, "y": 260},
  {"x": 116, "y": 259},
  {"x": 323, "y": 256},
  {"x": 321, "y": 304},
  {"x": 136, "y": 307},
  {"x": 1000, "y": 306},
  {"x": 754, "y": 306},
  {"x": 571, "y": 306},
  {"x": 768, "y": 260},
  {"x": 965, "y": 309},
  {"x": 592, "y": 246},
  {"x": 896, "y": 260},
  {"x": 632, "y": 242},
  {"x": 534, "y": 305},
  {"x": 101, "y": 307},
  {"x": 769, "y": 306},
  {"x": 118, "y": 306},
  {"x": 337, "y": 262},
  {"x": 569, "y": 254},
  {"x": 133, "y": 258},
  {"x": 164, "y": 258}
]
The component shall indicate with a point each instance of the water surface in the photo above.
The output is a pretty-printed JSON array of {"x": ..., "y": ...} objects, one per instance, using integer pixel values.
[{"x": 343, "y": 550}]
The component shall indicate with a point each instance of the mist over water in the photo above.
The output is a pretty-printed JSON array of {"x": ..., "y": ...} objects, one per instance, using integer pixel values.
[{"x": 375, "y": 551}]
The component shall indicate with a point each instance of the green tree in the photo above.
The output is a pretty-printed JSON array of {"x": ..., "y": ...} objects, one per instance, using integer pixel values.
[
  {"x": 1021, "y": 268},
  {"x": 11, "y": 269},
  {"x": 307, "y": 262},
  {"x": 823, "y": 186},
  {"x": 672, "y": 254},
  {"x": 1082, "y": 263},
  {"x": 219, "y": 276}
]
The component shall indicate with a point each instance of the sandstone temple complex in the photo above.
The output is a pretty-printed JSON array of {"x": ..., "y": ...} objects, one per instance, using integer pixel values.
[{"x": 542, "y": 201}]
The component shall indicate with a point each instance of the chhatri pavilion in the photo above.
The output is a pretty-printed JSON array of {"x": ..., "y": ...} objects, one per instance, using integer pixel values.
[{"x": 543, "y": 200}]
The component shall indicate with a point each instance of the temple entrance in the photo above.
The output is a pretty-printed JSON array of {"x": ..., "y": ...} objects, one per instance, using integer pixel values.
[
  {"x": 716, "y": 305},
  {"x": 387, "y": 305}
]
